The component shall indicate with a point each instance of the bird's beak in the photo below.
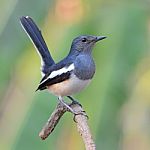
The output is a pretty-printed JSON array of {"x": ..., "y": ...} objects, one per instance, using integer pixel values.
[{"x": 98, "y": 38}]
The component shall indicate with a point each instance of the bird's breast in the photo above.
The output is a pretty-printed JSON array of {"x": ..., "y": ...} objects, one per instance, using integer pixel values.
[
  {"x": 84, "y": 67},
  {"x": 68, "y": 87}
]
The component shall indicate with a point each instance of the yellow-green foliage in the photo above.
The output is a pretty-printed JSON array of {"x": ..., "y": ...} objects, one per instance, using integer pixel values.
[{"x": 118, "y": 99}]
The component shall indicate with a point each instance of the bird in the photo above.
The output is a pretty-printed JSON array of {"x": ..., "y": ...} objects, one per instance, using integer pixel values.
[{"x": 71, "y": 74}]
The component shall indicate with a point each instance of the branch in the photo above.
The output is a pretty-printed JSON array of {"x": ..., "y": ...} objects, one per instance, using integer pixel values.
[
  {"x": 52, "y": 121},
  {"x": 80, "y": 119}
]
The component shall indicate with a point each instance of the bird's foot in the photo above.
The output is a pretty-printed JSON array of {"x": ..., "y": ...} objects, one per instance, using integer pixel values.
[
  {"x": 74, "y": 101},
  {"x": 80, "y": 113},
  {"x": 67, "y": 106},
  {"x": 71, "y": 110}
]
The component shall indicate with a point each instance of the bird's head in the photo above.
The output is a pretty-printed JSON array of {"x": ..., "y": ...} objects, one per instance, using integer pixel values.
[{"x": 85, "y": 43}]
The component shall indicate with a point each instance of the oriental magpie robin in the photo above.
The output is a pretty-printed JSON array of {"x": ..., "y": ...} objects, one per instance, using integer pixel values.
[{"x": 70, "y": 75}]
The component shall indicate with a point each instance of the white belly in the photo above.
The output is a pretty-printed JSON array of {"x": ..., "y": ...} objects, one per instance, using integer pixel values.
[{"x": 68, "y": 87}]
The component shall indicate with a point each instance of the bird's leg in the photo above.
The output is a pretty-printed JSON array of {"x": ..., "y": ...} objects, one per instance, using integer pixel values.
[
  {"x": 74, "y": 101},
  {"x": 71, "y": 110}
]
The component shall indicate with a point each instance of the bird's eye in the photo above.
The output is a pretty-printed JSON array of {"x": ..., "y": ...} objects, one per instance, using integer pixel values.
[{"x": 84, "y": 40}]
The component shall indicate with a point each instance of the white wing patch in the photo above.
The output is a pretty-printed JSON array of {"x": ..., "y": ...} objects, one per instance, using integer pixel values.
[{"x": 59, "y": 72}]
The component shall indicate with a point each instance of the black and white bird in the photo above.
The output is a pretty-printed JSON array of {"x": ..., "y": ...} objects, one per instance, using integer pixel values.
[{"x": 70, "y": 75}]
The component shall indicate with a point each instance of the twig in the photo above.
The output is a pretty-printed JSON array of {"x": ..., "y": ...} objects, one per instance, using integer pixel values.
[
  {"x": 52, "y": 121},
  {"x": 84, "y": 129},
  {"x": 80, "y": 119}
]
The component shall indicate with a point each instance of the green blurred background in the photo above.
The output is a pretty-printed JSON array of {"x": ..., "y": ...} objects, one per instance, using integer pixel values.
[{"x": 118, "y": 99}]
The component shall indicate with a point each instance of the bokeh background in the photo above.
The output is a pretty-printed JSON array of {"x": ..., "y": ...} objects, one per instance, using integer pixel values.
[{"x": 118, "y": 99}]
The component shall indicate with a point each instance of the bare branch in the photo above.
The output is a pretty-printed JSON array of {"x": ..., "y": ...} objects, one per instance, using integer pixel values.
[
  {"x": 52, "y": 121},
  {"x": 84, "y": 129},
  {"x": 80, "y": 119}
]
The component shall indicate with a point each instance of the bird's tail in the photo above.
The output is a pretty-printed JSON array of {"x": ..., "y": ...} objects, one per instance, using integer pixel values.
[{"x": 36, "y": 37}]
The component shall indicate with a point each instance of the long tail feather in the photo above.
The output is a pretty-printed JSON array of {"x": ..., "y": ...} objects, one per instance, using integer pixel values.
[{"x": 36, "y": 37}]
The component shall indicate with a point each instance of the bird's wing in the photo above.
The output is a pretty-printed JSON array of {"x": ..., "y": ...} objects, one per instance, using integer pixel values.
[
  {"x": 36, "y": 37},
  {"x": 56, "y": 76}
]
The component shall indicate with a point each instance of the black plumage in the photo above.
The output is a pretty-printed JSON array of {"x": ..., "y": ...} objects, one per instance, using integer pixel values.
[
  {"x": 57, "y": 79},
  {"x": 37, "y": 38}
]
